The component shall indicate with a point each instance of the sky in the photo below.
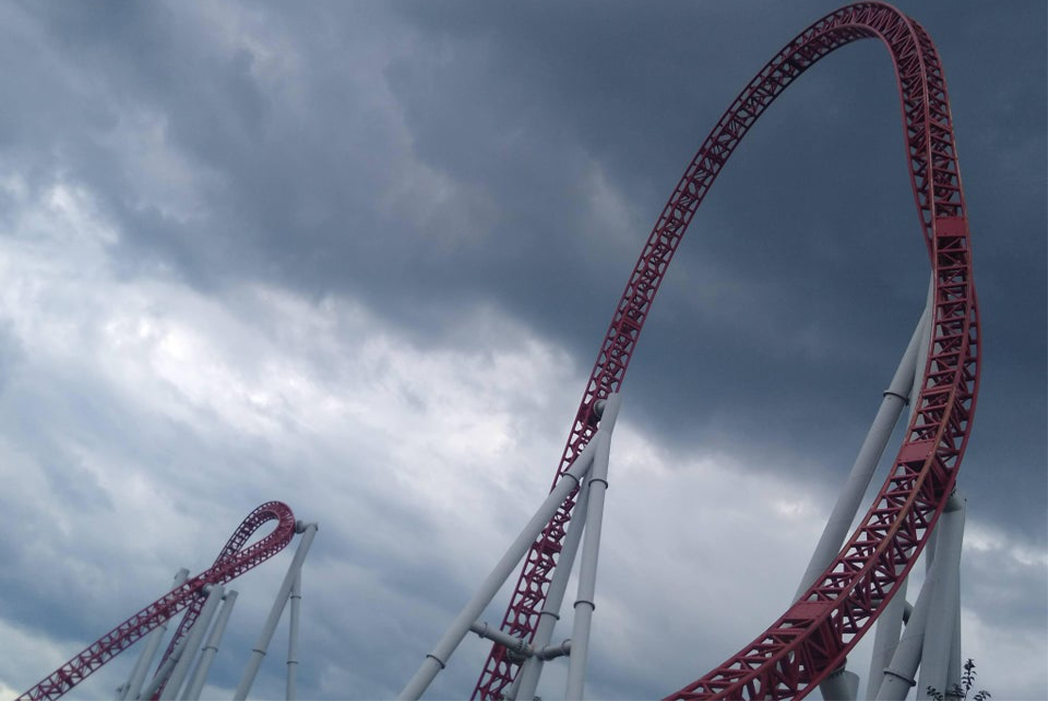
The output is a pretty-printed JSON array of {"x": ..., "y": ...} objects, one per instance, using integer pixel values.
[{"x": 359, "y": 257}]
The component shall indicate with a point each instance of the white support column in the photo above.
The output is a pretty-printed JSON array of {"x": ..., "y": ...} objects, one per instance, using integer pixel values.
[
  {"x": 292, "y": 642},
  {"x": 528, "y": 677},
  {"x": 900, "y": 675},
  {"x": 839, "y": 523},
  {"x": 196, "y": 682},
  {"x": 259, "y": 651},
  {"x": 942, "y": 616},
  {"x": 886, "y": 639},
  {"x": 890, "y": 622},
  {"x": 953, "y": 673},
  {"x": 584, "y": 604},
  {"x": 438, "y": 658},
  {"x": 842, "y": 685},
  {"x": 194, "y": 637},
  {"x": 138, "y": 673}
]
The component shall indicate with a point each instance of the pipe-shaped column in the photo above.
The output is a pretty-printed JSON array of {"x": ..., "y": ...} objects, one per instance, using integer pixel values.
[
  {"x": 890, "y": 622},
  {"x": 437, "y": 659},
  {"x": 528, "y": 677},
  {"x": 842, "y": 685},
  {"x": 262, "y": 644},
  {"x": 584, "y": 605},
  {"x": 193, "y": 640},
  {"x": 938, "y": 637},
  {"x": 839, "y": 523},
  {"x": 196, "y": 681},
  {"x": 138, "y": 672},
  {"x": 292, "y": 638},
  {"x": 164, "y": 672},
  {"x": 900, "y": 675},
  {"x": 513, "y": 644},
  {"x": 886, "y": 638},
  {"x": 953, "y": 673}
]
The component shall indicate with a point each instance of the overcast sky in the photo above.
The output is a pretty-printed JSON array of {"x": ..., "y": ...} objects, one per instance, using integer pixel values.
[{"x": 359, "y": 257}]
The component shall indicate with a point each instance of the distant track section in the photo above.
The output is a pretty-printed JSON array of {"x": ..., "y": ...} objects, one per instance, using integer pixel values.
[
  {"x": 812, "y": 638},
  {"x": 234, "y": 561}
]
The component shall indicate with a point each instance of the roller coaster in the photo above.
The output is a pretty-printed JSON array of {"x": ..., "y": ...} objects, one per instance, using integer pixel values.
[{"x": 846, "y": 588}]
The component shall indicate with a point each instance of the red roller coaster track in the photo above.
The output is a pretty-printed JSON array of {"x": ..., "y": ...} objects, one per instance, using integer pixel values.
[
  {"x": 813, "y": 637},
  {"x": 233, "y": 561}
]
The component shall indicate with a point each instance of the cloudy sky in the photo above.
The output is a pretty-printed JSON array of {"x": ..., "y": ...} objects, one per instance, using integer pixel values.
[{"x": 359, "y": 257}]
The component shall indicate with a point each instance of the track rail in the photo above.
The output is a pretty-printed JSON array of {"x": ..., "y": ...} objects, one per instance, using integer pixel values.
[
  {"x": 813, "y": 637},
  {"x": 234, "y": 561}
]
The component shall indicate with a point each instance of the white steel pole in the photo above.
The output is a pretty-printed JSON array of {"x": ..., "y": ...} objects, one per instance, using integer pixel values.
[
  {"x": 262, "y": 644},
  {"x": 194, "y": 638},
  {"x": 900, "y": 675},
  {"x": 584, "y": 605},
  {"x": 437, "y": 659},
  {"x": 528, "y": 678},
  {"x": 938, "y": 638},
  {"x": 196, "y": 683},
  {"x": 953, "y": 674},
  {"x": 839, "y": 523},
  {"x": 841, "y": 685},
  {"x": 886, "y": 639},
  {"x": 890, "y": 622},
  {"x": 164, "y": 672},
  {"x": 138, "y": 673},
  {"x": 292, "y": 637}
]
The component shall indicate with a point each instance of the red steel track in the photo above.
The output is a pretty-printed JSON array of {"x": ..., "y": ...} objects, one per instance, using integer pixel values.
[
  {"x": 233, "y": 561},
  {"x": 813, "y": 637}
]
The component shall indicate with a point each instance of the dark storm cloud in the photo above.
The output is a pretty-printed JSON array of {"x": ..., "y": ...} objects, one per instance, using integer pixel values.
[{"x": 429, "y": 159}]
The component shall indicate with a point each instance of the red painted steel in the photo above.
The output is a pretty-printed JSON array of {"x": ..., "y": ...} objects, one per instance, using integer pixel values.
[
  {"x": 812, "y": 638},
  {"x": 234, "y": 561}
]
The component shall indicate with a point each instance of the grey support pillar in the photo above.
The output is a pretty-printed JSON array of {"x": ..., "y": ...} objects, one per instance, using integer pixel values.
[
  {"x": 437, "y": 659},
  {"x": 528, "y": 677},
  {"x": 841, "y": 685},
  {"x": 890, "y": 622},
  {"x": 584, "y": 605},
  {"x": 894, "y": 399},
  {"x": 194, "y": 638},
  {"x": 944, "y": 611},
  {"x": 292, "y": 638},
  {"x": 138, "y": 673},
  {"x": 196, "y": 682},
  {"x": 259, "y": 651},
  {"x": 900, "y": 675},
  {"x": 886, "y": 639}
]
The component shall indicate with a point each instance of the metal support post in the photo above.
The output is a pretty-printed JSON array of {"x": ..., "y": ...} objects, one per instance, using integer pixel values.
[
  {"x": 886, "y": 638},
  {"x": 138, "y": 672},
  {"x": 953, "y": 673},
  {"x": 437, "y": 659},
  {"x": 526, "y": 683},
  {"x": 196, "y": 682},
  {"x": 584, "y": 605},
  {"x": 890, "y": 622},
  {"x": 842, "y": 685},
  {"x": 900, "y": 675},
  {"x": 164, "y": 672},
  {"x": 839, "y": 523},
  {"x": 262, "y": 644},
  {"x": 942, "y": 617},
  {"x": 292, "y": 637},
  {"x": 194, "y": 638}
]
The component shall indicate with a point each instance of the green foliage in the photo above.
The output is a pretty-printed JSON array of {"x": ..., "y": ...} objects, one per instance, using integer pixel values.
[{"x": 960, "y": 691}]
